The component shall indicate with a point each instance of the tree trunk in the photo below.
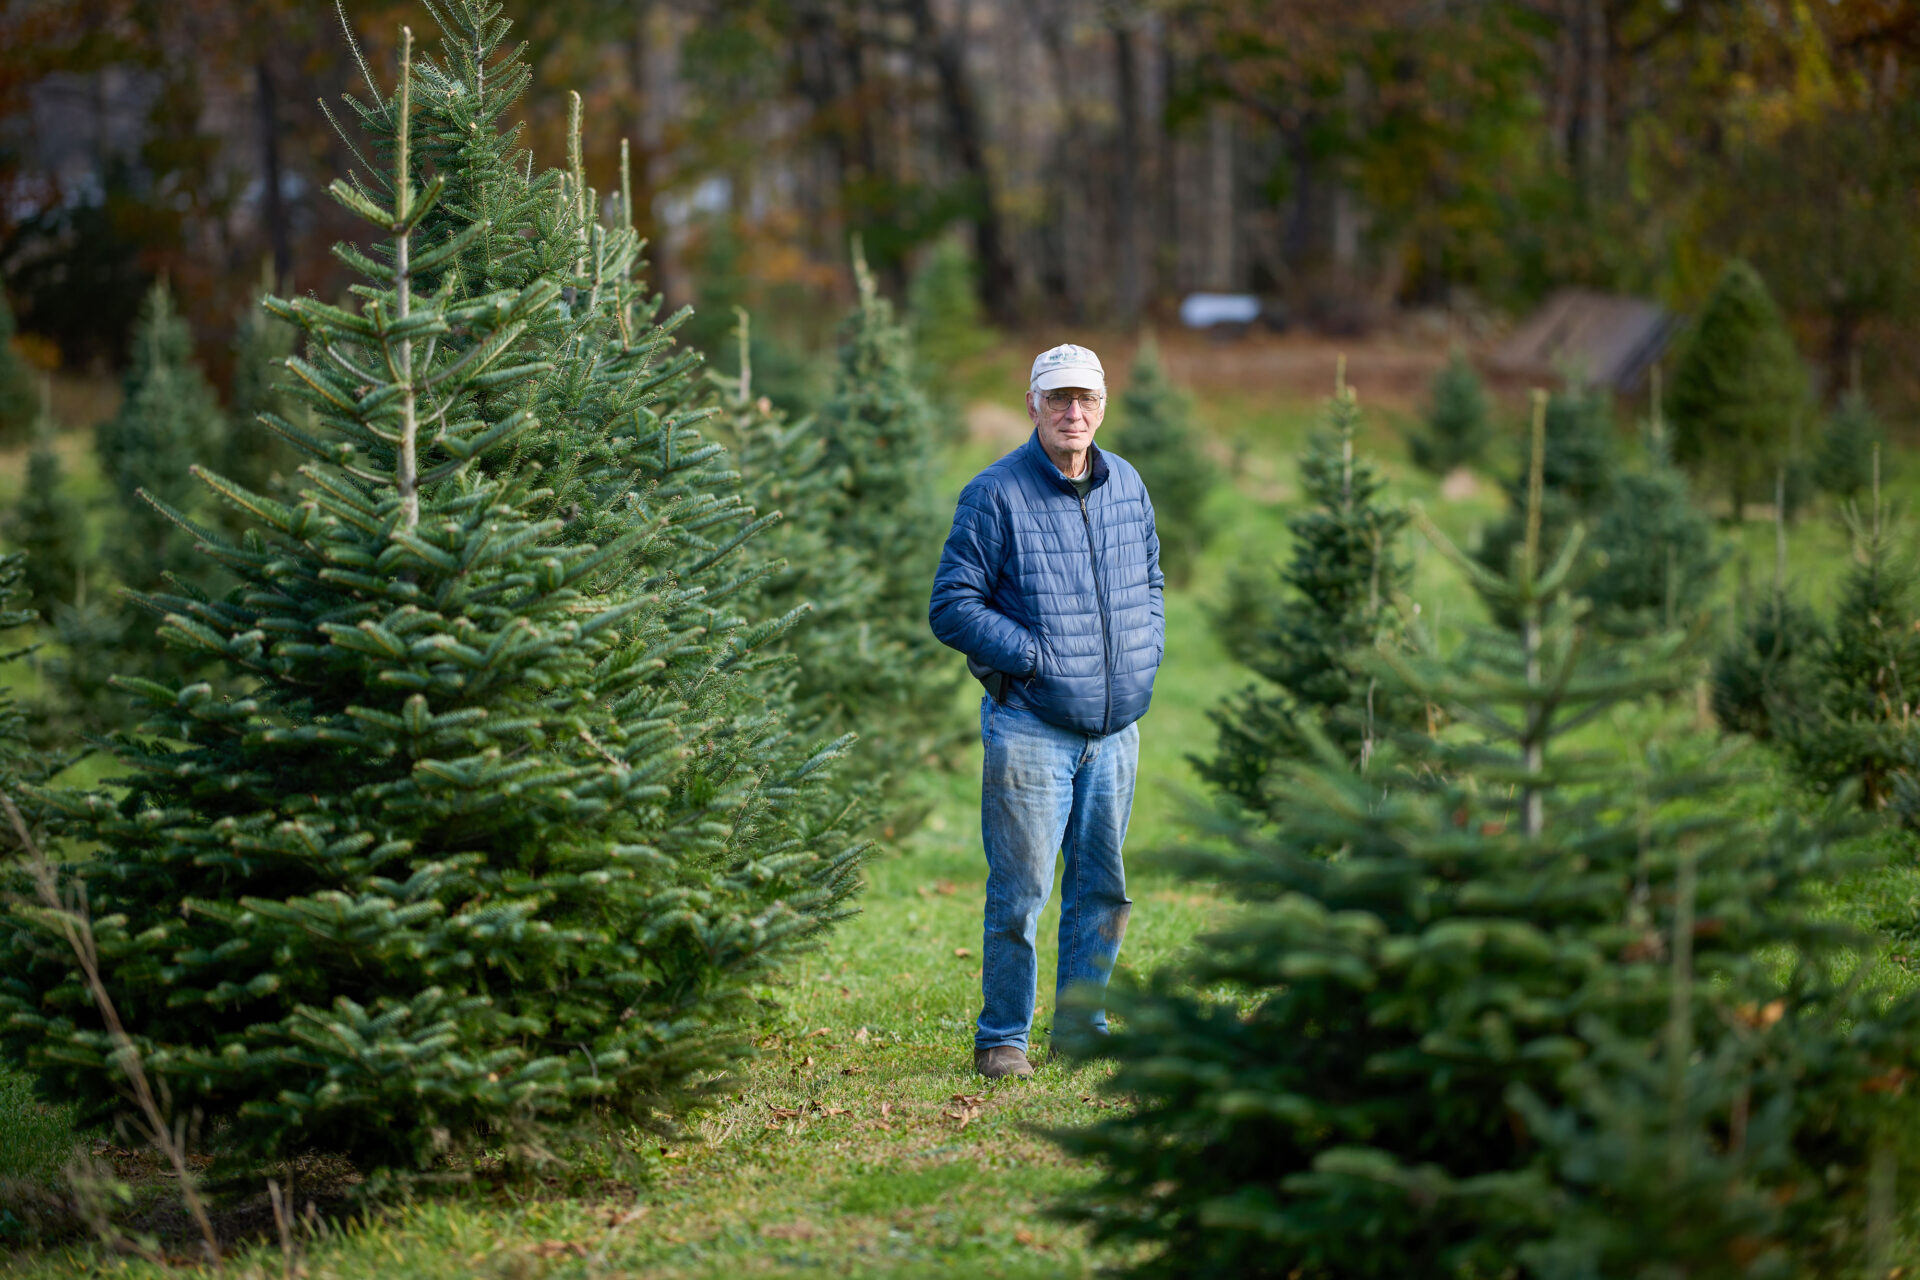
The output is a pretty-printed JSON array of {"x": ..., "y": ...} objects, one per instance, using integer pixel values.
[
  {"x": 1593, "y": 150},
  {"x": 1219, "y": 271},
  {"x": 1131, "y": 276},
  {"x": 273, "y": 207},
  {"x": 946, "y": 51}
]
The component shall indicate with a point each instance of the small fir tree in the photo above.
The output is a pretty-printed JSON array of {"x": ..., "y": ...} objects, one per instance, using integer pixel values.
[
  {"x": 1854, "y": 724},
  {"x": 168, "y": 421},
  {"x": 1765, "y": 666},
  {"x": 502, "y": 834},
  {"x": 1153, "y": 429},
  {"x": 1581, "y": 472},
  {"x": 1852, "y": 436},
  {"x": 1458, "y": 419},
  {"x": 1314, "y": 635},
  {"x": 23, "y": 762},
  {"x": 48, "y": 524},
  {"x": 949, "y": 328},
  {"x": 880, "y": 670},
  {"x": 1738, "y": 388},
  {"x": 1495, "y": 1001},
  {"x": 18, "y": 403},
  {"x": 1658, "y": 554}
]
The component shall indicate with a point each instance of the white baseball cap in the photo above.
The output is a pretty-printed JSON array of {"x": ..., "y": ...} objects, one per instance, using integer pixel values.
[{"x": 1067, "y": 366}]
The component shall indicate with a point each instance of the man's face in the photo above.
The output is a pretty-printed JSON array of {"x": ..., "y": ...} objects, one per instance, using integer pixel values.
[{"x": 1066, "y": 427}]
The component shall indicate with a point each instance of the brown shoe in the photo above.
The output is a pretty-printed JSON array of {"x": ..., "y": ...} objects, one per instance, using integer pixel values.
[{"x": 1001, "y": 1060}]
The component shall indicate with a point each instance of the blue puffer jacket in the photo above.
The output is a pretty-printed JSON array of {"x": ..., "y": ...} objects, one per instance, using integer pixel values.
[{"x": 1062, "y": 595}]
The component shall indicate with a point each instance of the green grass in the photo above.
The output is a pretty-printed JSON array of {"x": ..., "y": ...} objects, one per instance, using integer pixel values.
[{"x": 845, "y": 1152}]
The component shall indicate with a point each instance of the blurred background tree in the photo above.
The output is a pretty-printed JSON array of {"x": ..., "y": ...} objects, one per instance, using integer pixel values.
[{"x": 1153, "y": 429}]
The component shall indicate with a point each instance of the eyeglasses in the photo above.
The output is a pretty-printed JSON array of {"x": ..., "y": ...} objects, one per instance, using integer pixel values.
[{"x": 1059, "y": 400}]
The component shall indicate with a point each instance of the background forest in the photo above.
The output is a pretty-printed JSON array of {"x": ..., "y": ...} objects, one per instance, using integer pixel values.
[
  {"x": 1100, "y": 160},
  {"x": 481, "y": 795}
]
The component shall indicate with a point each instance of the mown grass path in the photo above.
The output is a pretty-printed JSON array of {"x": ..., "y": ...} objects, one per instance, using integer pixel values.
[{"x": 859, "y": 1142}]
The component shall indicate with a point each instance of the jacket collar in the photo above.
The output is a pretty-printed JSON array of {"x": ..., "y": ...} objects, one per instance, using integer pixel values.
[{"x": 1037, "y": 458}]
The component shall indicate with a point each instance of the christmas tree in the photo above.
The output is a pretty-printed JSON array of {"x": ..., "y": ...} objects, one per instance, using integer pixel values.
[
  {"x": 949, "y": 328},
  {"x": 1659, "y": 556},
  {"x": 1154, "y": 431},
  {"x": 1457, "y": 421},
  {"x": 1313, "y": 638},
  {"x": 1852, "y": 436},
  {"x": 17, "y": 400},
  {"x": 1494, "y": 998},
  {"x": 167, "y": 422},
  {"x": 1763, "y": 667},
  {"x": 1738, "y": 388},
  {"x": 878, "y": 670},
  {"x": 23, "y": 763},
  {"x": 500, "y": 836},
  {"x": 1582, "y": 468},
  {"x": 48, "y": 524},
  {"x": 1853, "y": 722}
]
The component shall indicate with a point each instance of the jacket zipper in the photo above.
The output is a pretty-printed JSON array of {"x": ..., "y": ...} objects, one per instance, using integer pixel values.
[{"x": 1100, "y": 599}]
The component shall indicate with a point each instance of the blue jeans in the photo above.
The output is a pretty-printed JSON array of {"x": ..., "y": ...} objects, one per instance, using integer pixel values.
[{"x": 1046, "y": 791}]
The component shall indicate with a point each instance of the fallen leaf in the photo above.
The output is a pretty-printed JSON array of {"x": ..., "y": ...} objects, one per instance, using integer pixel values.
[
  {"x": 861, "y": 1036},
  {"x": 790, "y": 1231},
  {"x": 847, "y": 992},
  {"x": 969, "y": 1099},
  {"x": 821, "y": 1032},
  {"x": 835, "y": 1111},
  {"x": 1760, "y": 1017},
  {"x": 784, "y": 1113},
  {"x": 807, "y": 1061},
  {"x": 886, "y": 1108},
  {"x": 1023, "y": 1236},
  {"x": 853, "y": 1071},
  {"x": 616, "y": 1218},
  {"x": 557, "y": 1249},
  {"x": 945, "y": 886},
  {"x": 961, "y": 953}
]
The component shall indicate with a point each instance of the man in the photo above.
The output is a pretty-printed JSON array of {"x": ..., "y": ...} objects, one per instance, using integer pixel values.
[{"x": 1050, "y": 584}]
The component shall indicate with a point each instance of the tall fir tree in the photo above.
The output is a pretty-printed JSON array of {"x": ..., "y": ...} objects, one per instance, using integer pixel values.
[
  {"x": 18, "y": 403},
  {"x": 1311, "y": 640},
  {"x": 1501, "y": 1007},
  {"x": 168, "y": 421},
  {"x": 501, "y": 835},
  {"x": 47, "y": 523},
  {"x": 1738, "y": 389},
  {"x": 1153, "y": 429},
  {"x": 1458, "y": 424}
]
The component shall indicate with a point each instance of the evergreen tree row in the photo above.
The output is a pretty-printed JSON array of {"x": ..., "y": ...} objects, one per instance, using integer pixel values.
[
  {"x": 1496, "y": 1005},
  {"x": 487, "y": 825}
]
